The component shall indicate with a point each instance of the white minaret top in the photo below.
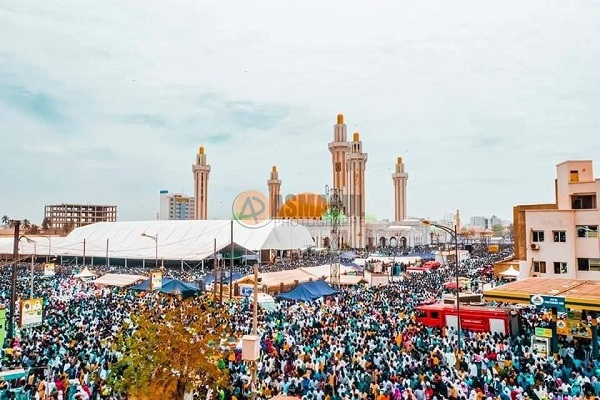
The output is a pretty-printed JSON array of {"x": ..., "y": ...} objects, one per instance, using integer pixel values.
[
  {"x": 399, "y": 178},
  {"x": 201, "y": 171},
  {"x": 339, "y": 149}
]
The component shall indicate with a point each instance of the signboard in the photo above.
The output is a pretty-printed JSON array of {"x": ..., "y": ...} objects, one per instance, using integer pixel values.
[
  {"x": 49, "y": 269},
  {"x": 575, "y": 328},
  {"x": 155, "y": 280},
  {"x": 540, "y": 301},
  {"x": 543, "y": 332},
  {"x": 31, "y": 313},
  {"x": 540, "y": 345},
  {"x": 2, "y": 326}
]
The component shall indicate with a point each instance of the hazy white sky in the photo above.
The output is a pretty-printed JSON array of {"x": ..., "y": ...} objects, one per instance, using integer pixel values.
[{"x": 107, "y": 102}]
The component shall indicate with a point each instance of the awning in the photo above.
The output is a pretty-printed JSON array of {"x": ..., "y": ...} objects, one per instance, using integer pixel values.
[{"x": 119, "y": 280}]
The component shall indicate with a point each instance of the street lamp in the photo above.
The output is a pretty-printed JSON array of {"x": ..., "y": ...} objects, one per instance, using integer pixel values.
[
  {"x": 155, "y": 238},
  {"x": 454, "y": 234},
  {"x": 33, "y": 257}
]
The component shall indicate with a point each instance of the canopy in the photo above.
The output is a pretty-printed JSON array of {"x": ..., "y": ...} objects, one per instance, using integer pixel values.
[
  {"x": 169, "y": 286},
  {"x": 189, "y": 240},
  {"x": 86, "y": 273},
  {"x": 510, "y": 271},
  {"x": 348, "y": 255},
  {"x": 309, "y": 291},
  {"x": 210, "y": 278},
  {"x": 119, "y": 280},
  {"x": 145, "y": 285}
]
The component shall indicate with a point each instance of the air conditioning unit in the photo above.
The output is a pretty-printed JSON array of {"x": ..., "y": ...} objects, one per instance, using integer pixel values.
[{"x": 535, "y": 246}]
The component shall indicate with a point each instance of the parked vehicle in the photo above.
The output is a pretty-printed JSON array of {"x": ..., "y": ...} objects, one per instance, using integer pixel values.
[{"x": 472, "y": 318}]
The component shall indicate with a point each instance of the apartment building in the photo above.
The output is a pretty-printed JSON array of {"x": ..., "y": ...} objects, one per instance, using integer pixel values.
[
  {"x": 175, "y": 206},
  {"x": 560, "y": 239},
  {"x": 63, "y": 216}
]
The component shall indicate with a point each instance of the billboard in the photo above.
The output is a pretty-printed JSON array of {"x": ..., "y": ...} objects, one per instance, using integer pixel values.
[
  {"x": 31, "y": 313},
  {"x": 49, "y": 269},
  {"x": 575, "y": 328},
  {"x": 548, "y": 302},
  {"x": 155, "y": 280}
]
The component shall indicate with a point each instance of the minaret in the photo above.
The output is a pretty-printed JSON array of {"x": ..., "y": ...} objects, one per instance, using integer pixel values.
[
  {"x": 399, "y": 177},
  {"x": 201, "y": 171},
  {"x": 339, "y": 149},
  {"x": 355, "y": 169},
  {"x": 274, "y": 185},
  {"x": 457, "y": 221}
]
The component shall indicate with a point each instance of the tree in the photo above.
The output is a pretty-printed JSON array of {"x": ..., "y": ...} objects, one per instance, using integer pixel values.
[
  {"x": 46, "y": 223},
  {"x": 34, "y": 229},
  {"x": 69, "y": 226},
  {"x": 497, "y": 230},
  {"x": 26, "y": 224},
  {"x": 167, "y": 353},
  {"x": 5, "y": 219}
]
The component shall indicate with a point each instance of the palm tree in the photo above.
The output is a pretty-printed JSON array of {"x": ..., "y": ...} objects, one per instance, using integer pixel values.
[
  {"x": 5, "y": 219},
  {"x": 69, "y": 226},
  {"x": 46, "y": 223},
  {"x": 34, "y": 230},
  {"x": 26, "y": 224}
]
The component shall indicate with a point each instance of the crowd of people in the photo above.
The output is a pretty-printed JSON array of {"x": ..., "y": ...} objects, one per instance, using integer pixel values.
[{"x": 361, "y": 344}]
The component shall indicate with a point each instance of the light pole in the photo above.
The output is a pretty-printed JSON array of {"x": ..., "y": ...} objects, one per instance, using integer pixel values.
[
  {"x": 155, "y": 238},
  {"x": 33, "y": 257},
  {"x": 454, "y": 234},
  {"x": 13, "y": 281},
  {"x": 49, "y": 247}
]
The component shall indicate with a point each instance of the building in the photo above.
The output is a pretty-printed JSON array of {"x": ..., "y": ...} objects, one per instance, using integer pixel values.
[
  {"x": 479, "y": 222},
  {"x": 70, "y": 216},
  {"x": 274, "y": 185},
  {"x": 176, "y": 206},
  {"x": 560, "y": 239},
  {"x": 201, "y": 171}
]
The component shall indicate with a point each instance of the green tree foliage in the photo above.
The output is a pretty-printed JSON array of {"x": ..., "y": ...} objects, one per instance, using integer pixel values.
[
  {"x": 168, "y": 353},
  {"x": 497, "y": 230}
]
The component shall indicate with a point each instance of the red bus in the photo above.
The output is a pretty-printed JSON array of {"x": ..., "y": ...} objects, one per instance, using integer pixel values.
[{"x": 472, "y": 318}]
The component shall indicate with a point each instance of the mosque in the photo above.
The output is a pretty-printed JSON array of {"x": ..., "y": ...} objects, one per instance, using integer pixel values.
[{"x": 357, "y": 229}]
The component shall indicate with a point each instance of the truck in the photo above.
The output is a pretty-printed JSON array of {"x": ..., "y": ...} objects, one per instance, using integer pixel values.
[{"x": 472, "y": 318}]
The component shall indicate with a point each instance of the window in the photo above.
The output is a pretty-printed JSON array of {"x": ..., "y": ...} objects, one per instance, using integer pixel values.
[
  {"x": 583, "y": 201},
  {"x": 539, "y": 267},
  {"x": 587, "y": 231},
  {"x": 559, "y": 236},
  {"x": 574, "y": 176},
  {"x": 588, "y": 264},
  {"x": 435, "y": 315},
  {"x": 537, "y": 236},
  {"x": 560, "y": 267}
]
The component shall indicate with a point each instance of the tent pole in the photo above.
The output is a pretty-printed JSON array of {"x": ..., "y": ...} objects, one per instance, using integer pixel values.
[
  {"x": 231, "y": 264},
  {"x": 215, "y": 271}
]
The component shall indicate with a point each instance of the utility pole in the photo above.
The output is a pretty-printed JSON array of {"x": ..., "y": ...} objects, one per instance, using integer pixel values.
[
  {"x": 13, "y": 282},
  {"x": 231, "y": 265}
]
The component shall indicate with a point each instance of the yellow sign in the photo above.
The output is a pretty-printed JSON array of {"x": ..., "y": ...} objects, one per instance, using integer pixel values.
[
  {"x": 49, "y": 269},
  {"x": 31, "y": 313},
  {"x": 155, "y": 280},
  {"x": 573, "y": 328}
]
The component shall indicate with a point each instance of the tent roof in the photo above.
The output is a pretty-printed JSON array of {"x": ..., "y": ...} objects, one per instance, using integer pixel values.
[
  {"x": 177, "y": 240},
  {"x": 119, "y": 280},
  {"x": 510, "y": 271},
  {"x": 86, "y": 273},
  {"x": 309, "y": 291}
]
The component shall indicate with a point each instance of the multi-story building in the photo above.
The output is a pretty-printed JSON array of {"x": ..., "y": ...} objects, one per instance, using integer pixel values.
[
  {"x": 479, "y": 222},
  {"x": 561, "y": 239},
  {"x": 70, "y": 216},
  {"x": 176, "y": 206}
]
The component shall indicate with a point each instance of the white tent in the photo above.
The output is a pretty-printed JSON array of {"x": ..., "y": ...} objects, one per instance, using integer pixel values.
[
  {"x": 510, "y": 271},
  {"x": 85, "y": 274},
  {"x": 177, "y": 240},
  {"x": 119, "y": 280}
]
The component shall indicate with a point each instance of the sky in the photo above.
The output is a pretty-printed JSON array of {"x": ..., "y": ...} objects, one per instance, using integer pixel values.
[{"x": 107, "y": 102}]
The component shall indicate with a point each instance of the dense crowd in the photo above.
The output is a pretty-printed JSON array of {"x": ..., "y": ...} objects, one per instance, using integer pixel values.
[{"x": 361, "y": 344}]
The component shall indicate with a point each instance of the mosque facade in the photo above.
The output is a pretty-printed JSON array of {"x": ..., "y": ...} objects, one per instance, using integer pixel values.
[{"x": 357, "y": 230}]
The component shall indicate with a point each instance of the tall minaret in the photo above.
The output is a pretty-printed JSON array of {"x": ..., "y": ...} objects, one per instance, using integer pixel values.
[
  {"x": 274, "y": 185},
  {"x": 355, "y": 169},
  {"x": 457, "y": 221},
  {"x": 399, "y": 177},
  {"x": 339, "y": 149},
  {"x": 201, "y": 171}
]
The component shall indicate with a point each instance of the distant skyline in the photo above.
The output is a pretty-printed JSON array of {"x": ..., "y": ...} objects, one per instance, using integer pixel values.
[{"x": 109, "y": 104}]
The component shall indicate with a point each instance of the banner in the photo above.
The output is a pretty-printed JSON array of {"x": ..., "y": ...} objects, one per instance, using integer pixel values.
[
  {"x": 48, "y": 269},
  {"x": 155, "y": 280},
  {"x": 246, "y": 290},
  {"x": 575, "y": 328},
  {"x": 548, "y": 302},
  {"x": 31, "y": 313}
]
